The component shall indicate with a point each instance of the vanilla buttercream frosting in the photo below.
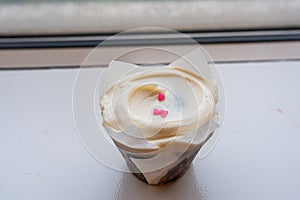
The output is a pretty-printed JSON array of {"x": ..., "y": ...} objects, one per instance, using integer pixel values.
[{"x": 127, "y": 106}]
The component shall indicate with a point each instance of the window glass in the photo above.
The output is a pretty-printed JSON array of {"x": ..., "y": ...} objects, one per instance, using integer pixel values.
[{"x": 38, "y": 17}]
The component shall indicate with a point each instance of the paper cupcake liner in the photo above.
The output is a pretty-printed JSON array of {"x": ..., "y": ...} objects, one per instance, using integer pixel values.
[{"x": 173, "y": 171}]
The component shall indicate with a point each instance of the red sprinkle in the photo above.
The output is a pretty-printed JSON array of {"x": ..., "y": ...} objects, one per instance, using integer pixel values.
[
  {"x": 156, "y": 111},
  {"x": 161, "y": 96},
  {"x": 164, "y": 113}
]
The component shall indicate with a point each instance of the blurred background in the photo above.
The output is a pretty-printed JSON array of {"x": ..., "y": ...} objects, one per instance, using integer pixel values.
[
  {"x": 32, "y": 17},
  {"x": 45, "y": 24}
]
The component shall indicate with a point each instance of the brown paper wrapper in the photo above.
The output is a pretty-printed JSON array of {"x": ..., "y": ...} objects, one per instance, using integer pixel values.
[{"x": 166, "y": 174}]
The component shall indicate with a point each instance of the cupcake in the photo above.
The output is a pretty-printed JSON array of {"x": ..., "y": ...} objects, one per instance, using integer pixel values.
[{"x": 159, "y": 118}]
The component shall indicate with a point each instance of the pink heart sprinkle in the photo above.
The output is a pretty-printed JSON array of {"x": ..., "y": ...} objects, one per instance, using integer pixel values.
[
  {"x": 164, "y": 113},
  {"x": 161, "y": 96},
  {"x": 156, "y": 111}
]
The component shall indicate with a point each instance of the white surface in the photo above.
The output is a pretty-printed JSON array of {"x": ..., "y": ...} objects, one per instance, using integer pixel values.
[{"x": 257, "y": 156}]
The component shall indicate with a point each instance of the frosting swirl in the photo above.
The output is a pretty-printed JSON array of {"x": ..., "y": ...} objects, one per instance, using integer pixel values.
[{"x": 128, "y": 105}]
